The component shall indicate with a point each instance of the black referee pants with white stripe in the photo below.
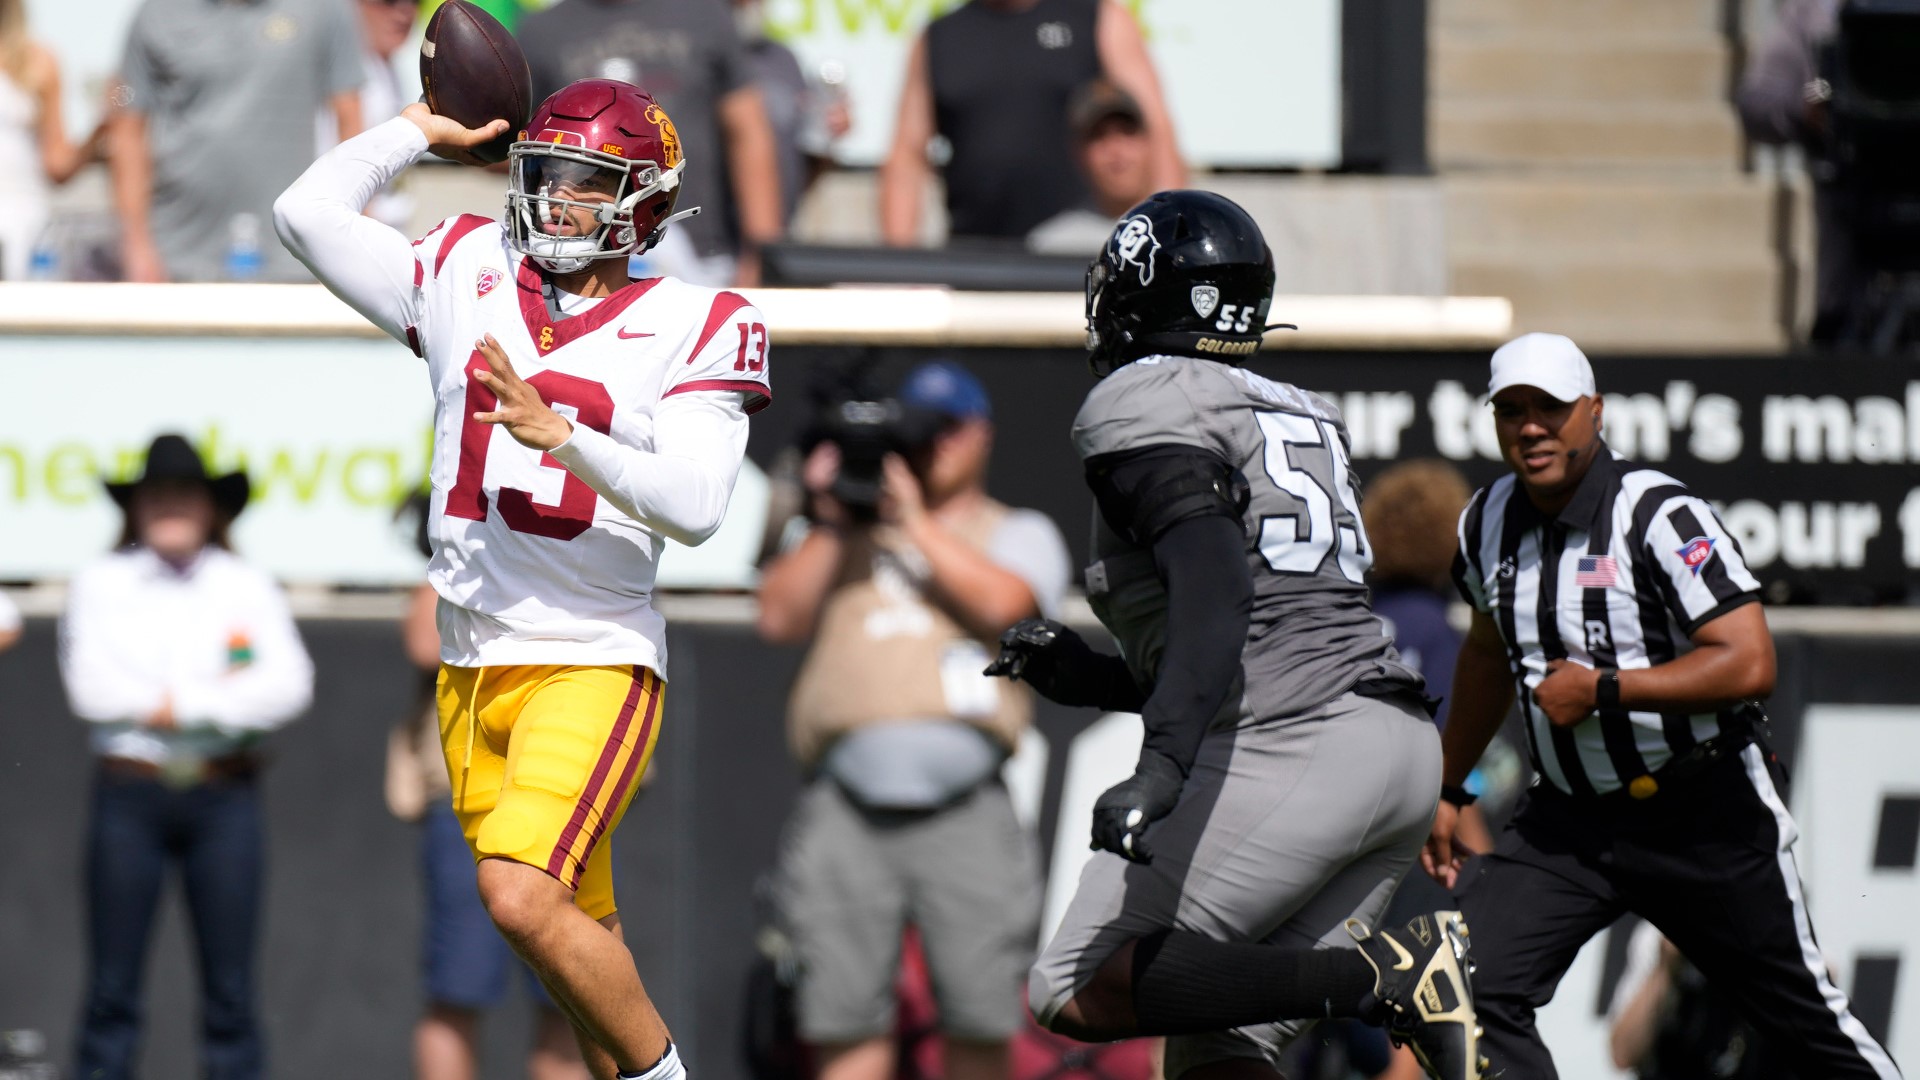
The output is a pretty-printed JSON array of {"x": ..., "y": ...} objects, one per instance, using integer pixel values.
[{"x": 1709, "y": 862}]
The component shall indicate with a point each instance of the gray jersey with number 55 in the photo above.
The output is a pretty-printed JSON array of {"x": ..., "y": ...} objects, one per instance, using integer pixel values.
[{"x": 1313, "y": 634}]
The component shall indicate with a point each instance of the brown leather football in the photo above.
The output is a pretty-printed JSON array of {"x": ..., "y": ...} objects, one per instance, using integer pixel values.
[{"x": 473, "y": 72}]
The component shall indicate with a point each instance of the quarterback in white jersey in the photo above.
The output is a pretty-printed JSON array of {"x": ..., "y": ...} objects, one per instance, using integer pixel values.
[{"x": 581, "y": 419}]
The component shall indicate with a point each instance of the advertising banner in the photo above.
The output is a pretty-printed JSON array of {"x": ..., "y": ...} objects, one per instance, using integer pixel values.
[
  {"x": 333, "y": 435},
  {"x": 1814, "y": 463},
  {"x": 1813, "y": 467}
]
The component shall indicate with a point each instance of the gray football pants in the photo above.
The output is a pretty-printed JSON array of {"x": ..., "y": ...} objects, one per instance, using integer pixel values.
[{"x": 1284, "y": 831}]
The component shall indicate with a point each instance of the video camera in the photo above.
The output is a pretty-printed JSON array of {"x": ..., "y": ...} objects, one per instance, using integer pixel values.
[{"x": 866, "y": 426}]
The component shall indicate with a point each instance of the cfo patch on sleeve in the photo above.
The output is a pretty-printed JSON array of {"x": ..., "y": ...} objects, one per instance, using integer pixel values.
[{"x": 1695, "y": 553}]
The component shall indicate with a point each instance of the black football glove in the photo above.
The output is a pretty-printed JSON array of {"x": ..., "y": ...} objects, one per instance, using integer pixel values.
[
  {"x": 1121, "y": 816},
  {"x": 1049, "y": 656}
]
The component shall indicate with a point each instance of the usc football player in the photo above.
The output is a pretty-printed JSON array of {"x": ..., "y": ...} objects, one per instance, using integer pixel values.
[{"x": 581, "y": 419}]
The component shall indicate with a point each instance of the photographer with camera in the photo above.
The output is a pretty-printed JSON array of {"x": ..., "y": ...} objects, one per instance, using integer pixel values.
[{"x": 907, "y": 573}]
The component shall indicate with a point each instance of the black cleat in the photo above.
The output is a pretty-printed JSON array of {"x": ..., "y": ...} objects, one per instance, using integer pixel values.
[{"x": 1423, "y": 992}]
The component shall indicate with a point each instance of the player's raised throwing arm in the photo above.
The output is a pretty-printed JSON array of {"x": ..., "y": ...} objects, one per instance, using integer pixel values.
[{"x": 363, "y": 262}]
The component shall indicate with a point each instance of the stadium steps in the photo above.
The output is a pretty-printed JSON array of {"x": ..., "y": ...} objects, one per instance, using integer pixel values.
[
  {"x": 1550, "y": 135},
  {"x": 1606, "y": 16},
  {"x": 1683, "y": 68},
  {"x": 1632, "y": 216},
  {"x": 1617, "y": 305},
  {"x": 1589, "y": 162}
]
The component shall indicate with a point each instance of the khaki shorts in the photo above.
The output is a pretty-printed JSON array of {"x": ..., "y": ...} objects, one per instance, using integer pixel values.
[{"x": 850, "y": 880}]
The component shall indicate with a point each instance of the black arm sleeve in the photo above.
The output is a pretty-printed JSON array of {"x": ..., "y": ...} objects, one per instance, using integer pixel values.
[
  {"x": 1110, "y": 686},
  {"x": 1203, "y": 563},
  {"x": 1146, "y": 491}
]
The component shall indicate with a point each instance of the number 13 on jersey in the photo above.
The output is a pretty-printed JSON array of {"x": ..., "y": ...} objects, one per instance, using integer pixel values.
[{"x": 593, "y": 407}]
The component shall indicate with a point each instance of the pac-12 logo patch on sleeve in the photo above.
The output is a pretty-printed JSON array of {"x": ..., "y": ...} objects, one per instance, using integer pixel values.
[
  {"x": 489, "y": 277},
  {"x": 1695, "y": 552}
]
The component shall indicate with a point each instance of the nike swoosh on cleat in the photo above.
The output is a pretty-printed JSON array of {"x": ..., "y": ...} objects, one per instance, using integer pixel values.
[
  {"x": 622, "y": 333},
  {"x": 1406, "y": 958}
]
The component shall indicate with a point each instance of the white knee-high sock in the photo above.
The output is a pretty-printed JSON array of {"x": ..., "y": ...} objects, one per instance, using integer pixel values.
[{"x": 667, "y": 1068}]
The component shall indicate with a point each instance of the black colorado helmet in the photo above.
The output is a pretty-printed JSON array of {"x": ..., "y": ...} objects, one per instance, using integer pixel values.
[{"x": 1185, "y": 272}]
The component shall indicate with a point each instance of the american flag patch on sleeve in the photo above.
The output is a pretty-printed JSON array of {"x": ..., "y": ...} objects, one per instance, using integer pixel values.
[{"x": 1595, "y": 572}]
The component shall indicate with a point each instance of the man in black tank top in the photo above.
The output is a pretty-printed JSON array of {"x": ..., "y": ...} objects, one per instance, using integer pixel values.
[{"x": 994, "y": 78}]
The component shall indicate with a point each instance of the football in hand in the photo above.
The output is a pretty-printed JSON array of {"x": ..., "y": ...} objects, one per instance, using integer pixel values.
[{"x": 474, "y": 73}]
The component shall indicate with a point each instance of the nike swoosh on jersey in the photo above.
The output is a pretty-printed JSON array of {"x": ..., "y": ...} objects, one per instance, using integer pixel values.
[{"x": 622, "y": 333}]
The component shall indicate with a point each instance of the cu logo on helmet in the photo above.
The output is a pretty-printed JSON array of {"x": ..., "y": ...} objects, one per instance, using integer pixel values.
[{"x": 1136, "y": 245}]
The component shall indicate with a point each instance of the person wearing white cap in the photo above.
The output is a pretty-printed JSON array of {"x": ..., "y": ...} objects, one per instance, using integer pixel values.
[
  {"x": 1614, "y": 604},
  {"x": 1546, "y": 376}
]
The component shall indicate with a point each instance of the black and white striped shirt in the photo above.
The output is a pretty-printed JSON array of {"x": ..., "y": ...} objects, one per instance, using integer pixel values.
[{"x": 1621, "y": 578}]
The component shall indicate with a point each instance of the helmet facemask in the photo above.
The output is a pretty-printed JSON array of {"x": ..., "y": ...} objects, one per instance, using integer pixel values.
[
  {"x": 549, "y": 179},
  {"x": 1105, "y": 336}
]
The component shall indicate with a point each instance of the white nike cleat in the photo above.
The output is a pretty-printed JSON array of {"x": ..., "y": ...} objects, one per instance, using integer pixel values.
[{"x": 1423, "y": 992}]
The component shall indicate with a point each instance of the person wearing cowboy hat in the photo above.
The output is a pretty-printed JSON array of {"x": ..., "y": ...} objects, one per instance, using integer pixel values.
[{"x": 181, "y": 657}]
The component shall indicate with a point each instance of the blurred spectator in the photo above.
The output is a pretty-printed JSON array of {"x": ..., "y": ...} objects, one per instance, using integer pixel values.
[
  {"x": 34, "y": 150},
  {"x": 1782, "y": 100},
  {"x": 805, "y": 117},
  {"x": 182, "y": 657},
  {"x": 386, "y": 27},
  {"x": 1010, "y": 165},
  {"x": 214, "y": 120},
  {"x": 1667, "y": 1023},
  {"x": 905, "y": 819},
  {"x": 466, "y": 963},
  {"x": 1114, "y": 154},
  {"x": 689, "y": 56},
  {"x": 1409, "y": 513},
  {"x": 10, "y": 623}
]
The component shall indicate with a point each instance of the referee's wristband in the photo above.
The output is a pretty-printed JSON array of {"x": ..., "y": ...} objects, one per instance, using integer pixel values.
[
  {"x": 1606, "y": 692},
  {"x": 1458, "y": 796}
]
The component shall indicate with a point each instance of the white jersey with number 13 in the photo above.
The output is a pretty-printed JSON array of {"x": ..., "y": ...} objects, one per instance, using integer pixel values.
[{"x": 543, "y": 558}]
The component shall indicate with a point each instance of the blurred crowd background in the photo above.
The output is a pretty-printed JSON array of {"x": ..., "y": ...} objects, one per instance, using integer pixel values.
[
  {"x": 1703, "y": 175},
  {"x": 1711, "y": 196}
]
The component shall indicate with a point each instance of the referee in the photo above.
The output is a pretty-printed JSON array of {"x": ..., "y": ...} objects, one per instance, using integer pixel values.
[{"x": 1618, "y": 607}]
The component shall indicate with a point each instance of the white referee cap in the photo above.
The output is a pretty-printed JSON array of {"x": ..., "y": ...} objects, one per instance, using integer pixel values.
[{"x": 1550, "y": 362}]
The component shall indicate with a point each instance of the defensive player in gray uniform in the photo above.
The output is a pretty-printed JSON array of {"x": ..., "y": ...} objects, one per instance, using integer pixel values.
[{"x": 1289, "y": 772}]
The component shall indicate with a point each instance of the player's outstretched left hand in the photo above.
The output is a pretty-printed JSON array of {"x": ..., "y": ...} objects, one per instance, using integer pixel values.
[
  {"x": 1121, "y": 816},
  {"x": 1049, "y": 656},
  {"x": 520, "y": 409}
]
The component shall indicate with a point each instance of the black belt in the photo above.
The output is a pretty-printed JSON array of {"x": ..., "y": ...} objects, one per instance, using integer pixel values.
[
  {"x": 228, "y": 768},
  {"x": 1676, "y": 775},
  {"x": 1746, "y": 725}
]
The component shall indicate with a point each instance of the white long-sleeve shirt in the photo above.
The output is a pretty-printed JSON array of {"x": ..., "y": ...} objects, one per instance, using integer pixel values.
[
  {"x": 215, "y": 641},
  {"x": 543, "y": 558}
]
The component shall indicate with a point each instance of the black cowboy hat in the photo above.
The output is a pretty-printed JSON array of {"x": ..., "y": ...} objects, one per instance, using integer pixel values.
[{"x": 174, "y": 458}]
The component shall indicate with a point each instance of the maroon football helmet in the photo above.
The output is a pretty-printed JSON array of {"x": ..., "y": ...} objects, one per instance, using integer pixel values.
[{"x": 604, "y": 146}]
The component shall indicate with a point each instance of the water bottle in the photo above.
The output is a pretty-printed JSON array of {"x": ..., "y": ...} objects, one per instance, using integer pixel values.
[
  {"x": 826, "y": 93},
  {"x": 244, "y": 257},
  {"x": 44, "y": 263}
]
